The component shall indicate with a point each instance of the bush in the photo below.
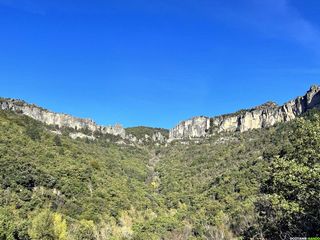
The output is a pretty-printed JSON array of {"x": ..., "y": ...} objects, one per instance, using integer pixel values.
[{"x": 33, "y": 132}]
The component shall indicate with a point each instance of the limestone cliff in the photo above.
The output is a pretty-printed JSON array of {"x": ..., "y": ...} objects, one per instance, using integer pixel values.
[
  {"x": 195, "y": 127},
  {"x": 259, "y": 117},
  {"x": 58, "y": 119}
]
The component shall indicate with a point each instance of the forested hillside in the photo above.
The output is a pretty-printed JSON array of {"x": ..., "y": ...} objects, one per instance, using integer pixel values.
[{"x": 261, "y": 184}]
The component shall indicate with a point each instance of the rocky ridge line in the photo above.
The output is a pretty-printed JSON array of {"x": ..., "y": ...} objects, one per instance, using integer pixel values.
[
  {"x": 265, "y": 115},
  {"x": 64, "y": 120},
  {"x": 58, "y": 119}
]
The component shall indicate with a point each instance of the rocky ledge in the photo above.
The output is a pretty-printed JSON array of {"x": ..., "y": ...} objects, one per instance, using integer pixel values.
[
  {"x": 58, "y": 119},
  {"x": 262, "y": 116}
]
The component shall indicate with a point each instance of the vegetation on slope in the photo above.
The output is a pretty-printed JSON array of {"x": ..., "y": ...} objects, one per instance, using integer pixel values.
[
  {"x": 262, "y": 184},
  {"x": 85, "y": 183},
  {"x": 140, "y": 132}
]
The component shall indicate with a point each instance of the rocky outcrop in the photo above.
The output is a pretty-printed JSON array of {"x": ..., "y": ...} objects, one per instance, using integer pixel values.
[
  {"x": 195, "y": 127},
  {"x": 81, "y": 136},
  {"x": 147, "y": 135},
  {"x": 259, "y": 117},
  {"x": 158, "y": 137},
  {"x": 58, "y": 119}
]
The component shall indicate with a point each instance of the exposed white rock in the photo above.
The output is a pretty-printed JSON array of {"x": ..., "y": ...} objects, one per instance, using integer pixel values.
[
  {"x": 57, "y": 132},
  {"x": 121, "y": 142},
  {"x": 59, "y": 119},
  {"x": 131, "y": 138},
  {"x": 259, "y": 117},
  {"x": 81, "y": 135},
  {"x": 158, "y": 137},
  {"x": 195, "y": 127}
]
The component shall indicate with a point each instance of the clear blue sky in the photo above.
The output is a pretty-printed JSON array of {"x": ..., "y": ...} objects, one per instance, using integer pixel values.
[{"x": 157, "y": 62}]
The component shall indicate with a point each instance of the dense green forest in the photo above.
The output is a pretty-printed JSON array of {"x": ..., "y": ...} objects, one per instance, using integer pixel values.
[{"x": 261, "y": 184}]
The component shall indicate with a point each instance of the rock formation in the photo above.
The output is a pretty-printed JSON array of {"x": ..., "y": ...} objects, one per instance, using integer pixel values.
[
  {"x": 262, "y": 116},
  {"x": 81, "y": 136},
  {"x": 195, "y": 127},
  {"x": 58, "y": 119},
  {"x": 158, "y": 137}
]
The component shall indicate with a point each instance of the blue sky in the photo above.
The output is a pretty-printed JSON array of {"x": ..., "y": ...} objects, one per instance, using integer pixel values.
[{"x": 157, "y": 62}]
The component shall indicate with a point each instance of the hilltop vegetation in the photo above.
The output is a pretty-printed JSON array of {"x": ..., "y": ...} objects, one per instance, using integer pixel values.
[
  {"x": 262, "y": 184},
  {"x": 140, "y": 132}
]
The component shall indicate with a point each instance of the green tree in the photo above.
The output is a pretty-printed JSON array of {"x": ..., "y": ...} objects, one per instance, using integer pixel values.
[
  {"x": 42, "y": 226},
  {"x": 6, "y": 225},
  {"x": 84, "y": 230},
  {"x": 48, "y": 226},
  {"x": 59, "y": 227},
  {"x": 290, "y": 205},
  {"x": 57, "y": 140},
  {"x": 33, "y": 132}
]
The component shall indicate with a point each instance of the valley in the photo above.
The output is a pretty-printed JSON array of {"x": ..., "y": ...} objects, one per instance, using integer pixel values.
[{"x": 262, "y": 183}]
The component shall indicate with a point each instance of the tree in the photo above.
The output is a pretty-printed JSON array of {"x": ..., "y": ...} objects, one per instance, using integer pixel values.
[
  {"x": 59, "y": 227},
  {"x": 48, "y": 226},
  {"x": 42, "y": 226},
  {"x": 84, "y": 230},
  {"x": 290, "y": 204},
  {"x": 6, "y": 225},
  {"x": 33, "y": 132},
  {"x": 57, "y": 141}
]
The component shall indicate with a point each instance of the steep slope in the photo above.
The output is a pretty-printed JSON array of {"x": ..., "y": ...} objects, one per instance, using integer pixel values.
[
  {"x": 262, "y": 116},
  {"x": 90, "y": 183},
  {"x": 259, "y": 184}
]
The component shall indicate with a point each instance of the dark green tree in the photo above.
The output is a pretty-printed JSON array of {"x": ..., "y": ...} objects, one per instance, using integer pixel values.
[
  {"x": 291, "y": 200},
  {"x": 33, "y": 132},
  {"x": 57, "y": 141}
]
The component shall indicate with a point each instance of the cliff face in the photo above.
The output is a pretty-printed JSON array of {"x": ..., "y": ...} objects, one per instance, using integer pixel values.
[
  {"x": 195, "y": 127},
  {"x": 259, "y": 117},
  {"x": 58, "y": 119}
]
